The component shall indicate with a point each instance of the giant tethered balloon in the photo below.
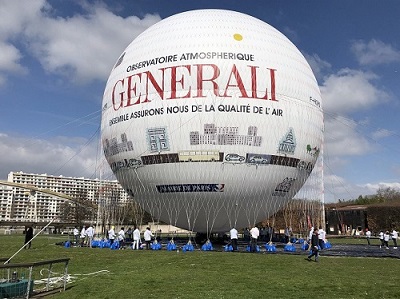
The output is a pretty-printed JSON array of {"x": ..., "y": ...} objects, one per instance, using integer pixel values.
[{"x": 211, "y": 119}]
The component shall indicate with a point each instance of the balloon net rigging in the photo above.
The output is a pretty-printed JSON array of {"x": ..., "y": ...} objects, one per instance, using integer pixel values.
[{"x": 208, "y": 172}]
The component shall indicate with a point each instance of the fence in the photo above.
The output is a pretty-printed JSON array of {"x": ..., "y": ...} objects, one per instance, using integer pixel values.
[{"x": 30, "y": 279}]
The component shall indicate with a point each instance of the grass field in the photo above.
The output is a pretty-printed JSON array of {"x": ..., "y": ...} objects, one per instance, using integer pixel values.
[{"x": 164, "y": 274}]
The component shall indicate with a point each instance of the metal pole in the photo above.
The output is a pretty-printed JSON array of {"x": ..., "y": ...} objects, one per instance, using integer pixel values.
[
  {"x": 28, "y": 287},
  {"x": 65, "y": 273},
  {"x": 49, "y": 276}
]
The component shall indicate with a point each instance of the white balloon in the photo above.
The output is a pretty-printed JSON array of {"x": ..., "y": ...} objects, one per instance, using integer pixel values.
[{"x": 212, "y": 119}]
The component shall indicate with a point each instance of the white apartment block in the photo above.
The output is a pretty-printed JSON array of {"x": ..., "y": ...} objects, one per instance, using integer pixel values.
[{"x": 19, "y": 204}]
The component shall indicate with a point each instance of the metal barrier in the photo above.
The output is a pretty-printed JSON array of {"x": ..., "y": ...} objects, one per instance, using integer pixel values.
[{"x": 29, "y": 279}]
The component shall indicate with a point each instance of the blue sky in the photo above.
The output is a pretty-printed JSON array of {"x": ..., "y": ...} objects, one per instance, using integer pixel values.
[{"x": 55, "y": 58}]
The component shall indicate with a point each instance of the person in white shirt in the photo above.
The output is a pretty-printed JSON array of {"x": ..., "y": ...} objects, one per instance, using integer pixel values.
[
  {"x": 386, "y": 238},
  {"x": 254, "y": 233},
  {"x": 395, "y": 235},
  {"x": 147, "y": 237},
  {"x": 321, "y": 238},
  {"x": 76, "y": 235},
  {"x": 136, "y": 238},
  {"x": 121, "y": 238},
  {"x": 310, "y": 233},
  {"x": 381, "y": 235},
  {"x": 83, "y": 235},
  {"x": 90, "y": 235},
  {"x": 111, "y": 235},
  {"x": 368, "y": 235},
  {"x": 234, "y": 238}
]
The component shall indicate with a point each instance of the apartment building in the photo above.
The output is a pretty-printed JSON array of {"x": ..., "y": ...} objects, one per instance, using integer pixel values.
[{"x": 21, "y": 204}]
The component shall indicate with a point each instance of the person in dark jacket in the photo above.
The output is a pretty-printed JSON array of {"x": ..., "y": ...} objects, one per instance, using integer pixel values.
[
  {"x": 28, "y": 237},
  {"x": 314, "y": 246}
]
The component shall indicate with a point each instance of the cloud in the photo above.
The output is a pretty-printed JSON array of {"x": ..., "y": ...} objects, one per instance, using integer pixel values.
[
  {"x": 82, "y": 48},
  {"x": 65, "y": 156},
  {"x": 374, "y": 52},
  {"x": 381, "y": 185},
  {"x": 10, "y": 62},
  {"x": 349, "y": 91},
  {"x": 382, "y": 133},
  {"x": 337, "y": 187},
  {"x": 318, "y": 65},
  {"x": 14, "y": 17},
  {"x": 343, "y": 138}
]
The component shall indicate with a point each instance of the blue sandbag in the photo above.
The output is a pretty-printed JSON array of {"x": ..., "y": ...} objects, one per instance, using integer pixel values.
[
  {"x": 270, "y": 247},
  {"x": 305, "y": 246},
  {"x": 156, "y": 246},
  {"x": 171, "y": 247},
  {"x": 115, "y": 245},
  {"x": 289, "y": 248},
  {"x": 228, "y": 248},
  {"x": 67, "y": 244},
  {"x": 105, "y": 244},
  {"x": 207, "y": 247},
  {"x": 188, "y": 247},
  {"x": 328, "y": 245},
  {"x": 248, "y": 248}
]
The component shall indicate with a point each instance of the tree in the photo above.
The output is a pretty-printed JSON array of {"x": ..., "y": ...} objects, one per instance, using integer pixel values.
[{"x": 79, "y": 211}]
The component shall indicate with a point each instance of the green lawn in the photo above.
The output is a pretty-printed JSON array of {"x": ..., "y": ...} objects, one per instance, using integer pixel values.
[{"x": 164, "y": 274}]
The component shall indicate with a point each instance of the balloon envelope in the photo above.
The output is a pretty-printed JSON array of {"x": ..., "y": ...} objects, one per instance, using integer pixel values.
[{"x": 211, "y": 119}]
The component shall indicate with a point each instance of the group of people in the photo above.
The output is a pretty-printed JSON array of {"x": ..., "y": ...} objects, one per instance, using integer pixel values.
[
  {"x": 136, "y": 237},
  {"x": 316, "y": 241},
  {"x": 266, "y": 233},
  {"x": 254, "y": 233},
  {"x": 84, "y": 237},
  {"x": 384, "y": 238}
]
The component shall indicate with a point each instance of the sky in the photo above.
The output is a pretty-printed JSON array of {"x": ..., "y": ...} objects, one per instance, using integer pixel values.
[{"x": 56, "y": 56}]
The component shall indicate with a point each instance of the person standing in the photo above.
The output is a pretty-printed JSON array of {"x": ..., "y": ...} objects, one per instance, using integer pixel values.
[
  {"x": 381, "y": 239},
  {"x": 386, "y": 238},
  {"x": 234, "y": 238},
  {"x": 28, "y": 237},
  {"x": 314, "y": 246},
  {"x": 310, "y": 234},
  {"x": 368, "y": 236},
  {"x": 111, "y": 235},
  {"x": 254, "y": 233},
  {"x": 395, "y": 235},
  {"x": 321, "y": 238},
  {"x": 147, "y": 237},
  {"x": 90, "y": 235},
  {"x": 136, "y": 238},
  {"x": 83, "y": 235},
  {"x": 76, "y": 235},
  {"x": 121, "y": 238},
  {"x": 129, "y": 235}
]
